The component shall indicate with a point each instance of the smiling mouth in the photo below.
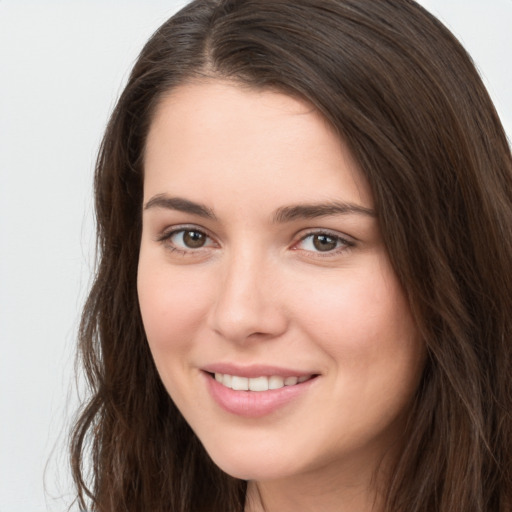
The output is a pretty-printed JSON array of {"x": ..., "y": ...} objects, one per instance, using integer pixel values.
[{"x": 263, "y": 383}]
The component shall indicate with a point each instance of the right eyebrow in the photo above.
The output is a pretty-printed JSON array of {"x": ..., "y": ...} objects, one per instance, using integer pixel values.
[{"x": 181, "y": 205}]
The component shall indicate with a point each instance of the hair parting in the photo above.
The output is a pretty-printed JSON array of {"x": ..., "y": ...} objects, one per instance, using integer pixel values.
[{"x": 402, "y": 92}]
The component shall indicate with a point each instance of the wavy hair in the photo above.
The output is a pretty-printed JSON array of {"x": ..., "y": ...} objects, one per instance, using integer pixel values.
[{"x": 405, "y": 96}]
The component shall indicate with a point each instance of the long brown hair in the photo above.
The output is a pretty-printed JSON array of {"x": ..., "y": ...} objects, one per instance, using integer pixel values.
[{"x": 405, "y": 96}]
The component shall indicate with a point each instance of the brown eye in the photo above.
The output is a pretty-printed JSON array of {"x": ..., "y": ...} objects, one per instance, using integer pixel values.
[
  {"x": 186, "y": 240},
  {"x": 324, "y": 243},
  {"x": 194, "y": 239}
]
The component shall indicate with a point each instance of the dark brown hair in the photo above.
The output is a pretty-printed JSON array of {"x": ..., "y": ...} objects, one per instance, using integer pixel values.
[{"x": 405, "y": 96}]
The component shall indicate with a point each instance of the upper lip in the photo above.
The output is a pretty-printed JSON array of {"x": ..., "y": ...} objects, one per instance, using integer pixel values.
[{"x": 254, "y": 370}]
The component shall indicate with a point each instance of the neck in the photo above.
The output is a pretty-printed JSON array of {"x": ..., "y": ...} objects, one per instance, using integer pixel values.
[
  {"x": 353, "y": 483},
  {"x": 307, "y": 494}
]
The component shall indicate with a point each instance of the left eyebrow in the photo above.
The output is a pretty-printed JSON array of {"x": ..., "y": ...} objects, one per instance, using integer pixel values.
[{"x": 312, "y": 211}]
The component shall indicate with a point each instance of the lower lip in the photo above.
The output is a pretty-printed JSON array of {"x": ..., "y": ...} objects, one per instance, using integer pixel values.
[{"x": 254, "y": 404}]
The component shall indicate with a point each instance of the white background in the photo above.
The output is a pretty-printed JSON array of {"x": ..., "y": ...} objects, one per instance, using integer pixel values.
[{"x": 62, "y": 66}]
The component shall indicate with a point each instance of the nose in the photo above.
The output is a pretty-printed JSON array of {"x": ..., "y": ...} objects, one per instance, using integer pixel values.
[{"x": 248, "y": 304}]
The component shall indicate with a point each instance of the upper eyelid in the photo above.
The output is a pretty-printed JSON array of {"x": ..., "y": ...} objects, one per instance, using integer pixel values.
[
  {"x": 171, "y": 230},
  {"x": 165, "y": 238},
  {"x": 298, "y": 237},
  {"x": 325, "y": 231},
  {"x": 346, "y": 243}
]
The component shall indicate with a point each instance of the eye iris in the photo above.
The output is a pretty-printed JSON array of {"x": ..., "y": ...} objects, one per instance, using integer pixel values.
[
  {"x": 324, "y": 242},
  {"x": 194, "y": 239}
]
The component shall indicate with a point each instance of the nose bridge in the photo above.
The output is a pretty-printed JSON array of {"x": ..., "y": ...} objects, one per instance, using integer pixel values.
[{"x": 246, "y": 303}]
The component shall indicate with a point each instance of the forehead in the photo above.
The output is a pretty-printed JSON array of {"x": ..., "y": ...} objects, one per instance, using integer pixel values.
[{"x": 211, "y": 135}]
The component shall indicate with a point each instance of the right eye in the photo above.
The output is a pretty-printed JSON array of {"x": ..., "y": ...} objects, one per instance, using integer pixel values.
[{"x": 186, "y": 239}]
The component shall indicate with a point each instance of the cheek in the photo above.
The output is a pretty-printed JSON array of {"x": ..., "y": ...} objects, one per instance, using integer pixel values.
[
  {"x": 363, "y": 324},
  {"x": 362, "y": 320},
  {"x": 172, "y": 305}
]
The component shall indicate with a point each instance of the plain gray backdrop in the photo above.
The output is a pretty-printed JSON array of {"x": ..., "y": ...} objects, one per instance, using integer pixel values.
[{"x": 62, "y": 66}]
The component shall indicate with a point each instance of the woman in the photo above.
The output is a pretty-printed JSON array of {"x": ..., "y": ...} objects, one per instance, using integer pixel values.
[{"x": 303, "y": 294}]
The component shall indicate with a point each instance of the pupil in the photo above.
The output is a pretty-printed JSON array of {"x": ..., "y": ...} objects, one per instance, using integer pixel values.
[
  {"x": 324, "y": 242},
  {"x": 193, "y": 239}
]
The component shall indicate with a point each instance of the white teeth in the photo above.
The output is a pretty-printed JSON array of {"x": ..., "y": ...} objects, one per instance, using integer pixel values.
[
  {"x": 239, "y": 383},
  {"x": 258, "y": 383},
  {"x": 226, "y": 379},
  {"x": 275, "y": 382}
]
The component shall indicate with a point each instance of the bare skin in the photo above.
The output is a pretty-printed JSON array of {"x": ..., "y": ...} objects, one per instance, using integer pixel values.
[{"x": 261, "y": 252}]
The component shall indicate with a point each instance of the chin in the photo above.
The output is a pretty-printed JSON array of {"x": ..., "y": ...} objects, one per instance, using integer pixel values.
[{"x": 247, "y": 466}]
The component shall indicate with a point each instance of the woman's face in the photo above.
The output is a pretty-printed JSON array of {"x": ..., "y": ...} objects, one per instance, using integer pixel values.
[{"x": 262, "y": 266}]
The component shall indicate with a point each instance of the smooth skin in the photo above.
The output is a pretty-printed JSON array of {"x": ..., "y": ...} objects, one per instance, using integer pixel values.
[{"x": 260, "y": 246}]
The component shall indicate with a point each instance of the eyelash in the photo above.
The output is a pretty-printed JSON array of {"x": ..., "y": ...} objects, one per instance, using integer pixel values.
[
  {"x": 165, "y": 238},
  {"x": 342, "y": 244}
]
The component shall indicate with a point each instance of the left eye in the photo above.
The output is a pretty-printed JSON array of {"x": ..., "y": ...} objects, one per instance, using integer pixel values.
[
  {"x": 322, "y": 242},
  {"x": 189, "y": 239}
]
